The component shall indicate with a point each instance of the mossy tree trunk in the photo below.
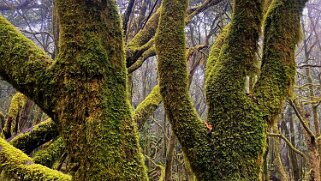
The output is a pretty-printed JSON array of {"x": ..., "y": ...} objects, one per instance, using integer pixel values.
[
  {"x": 92, "y": 108},
  {"x": 11, "y": 125},
  {"x": 84, "y": 90},
  {"x": 233, "y": 149}
]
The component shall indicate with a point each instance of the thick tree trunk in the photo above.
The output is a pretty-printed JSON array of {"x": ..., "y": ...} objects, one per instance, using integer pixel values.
[
  {"x": 239, "y": 129},
  {"x": 84, "y": 90},
  {"x": 92, "y": 108}
]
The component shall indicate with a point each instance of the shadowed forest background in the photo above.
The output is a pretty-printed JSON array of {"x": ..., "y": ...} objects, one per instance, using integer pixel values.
[{"x": 293, "y": 137}]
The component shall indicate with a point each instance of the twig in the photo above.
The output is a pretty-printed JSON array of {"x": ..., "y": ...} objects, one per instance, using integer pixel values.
[
  {"x": 298, "y": 114},
  {"x": 288, "y": 143}
]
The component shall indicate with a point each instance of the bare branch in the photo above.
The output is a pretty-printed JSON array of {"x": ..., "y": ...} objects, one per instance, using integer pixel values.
[
  {"x": 127, "y": 14},
  {"x": 301, "y": 119},
  {"x": 288, "y": 143}
]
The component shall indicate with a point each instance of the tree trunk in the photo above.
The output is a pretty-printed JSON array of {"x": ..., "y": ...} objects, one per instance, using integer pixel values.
[
  {"x": 233, "y": 149},
  {"x": 169, "y": 158},
  {"x": 278, "y": 159},
  {"x": 293, "y": 158},
  {"x": 92, "y": 106},
  {"x": 84, "y": 90}
]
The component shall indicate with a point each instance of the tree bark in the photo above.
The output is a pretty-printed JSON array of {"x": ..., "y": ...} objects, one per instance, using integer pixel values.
[
  {"x": 278, "y": 160},
  {"x": 233, "y": 149},
  {"x": 49, "y": 155},
  {"x": 32, "y": 138},
  {"x": 169, "y": 158},
  {"x": 84, "y": 91},
  {"x": 93, "y": 109}
]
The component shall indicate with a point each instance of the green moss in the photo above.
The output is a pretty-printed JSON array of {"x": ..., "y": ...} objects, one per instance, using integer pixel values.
[
  {"x": 17, "y": 104},
  {"x": 147, "y": 106},
  {"x": 147, "y": 33},
  {"x": 11, "y": 125},
  {"x": 281, "y": 35},
  {"x": 18, "y": 165},
  {"x": 239, "y": 129},
  {"x": 215, "y": 51},
  {"x": 143, "y": 40},
  {"x": 35, "y": 136},
  {"x": 173, "y": 81},
  {"x": 139, "y": 62},
  {"x": 49, "y": 155},
  {"x": 93, "y": 110},
  {"x": 25, "y": 66},
  {"x": 84, "y": 90}
]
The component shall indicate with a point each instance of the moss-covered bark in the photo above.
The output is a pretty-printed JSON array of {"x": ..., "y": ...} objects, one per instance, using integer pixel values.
[
  {"x": 18, "y": 165},
  {"x": 233, "y": 149},
  {"x": 147, "y": 107},
  {"x": 11, "y": 125},
  {"x": 49, "y": 155},
  {"x": 143, "y": 40},
  {"x": 215, "y": 51},
  {"x": 239, "y": 129},
  {"x": 25, "y": 66},
  {"x": 173, "y": 81},
  {"x": 139, "y": 62},
  {"x": 84, "y": 90},
  {"x": 36, "y": 136},
  {"x": 281, "y": 35},
  {"x": 93, "y": 110}
]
